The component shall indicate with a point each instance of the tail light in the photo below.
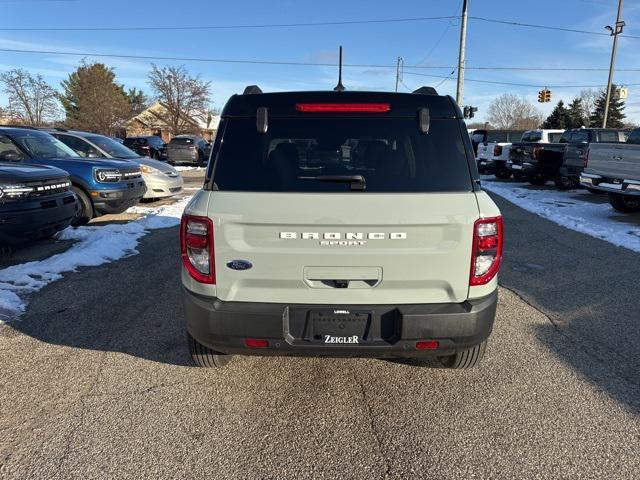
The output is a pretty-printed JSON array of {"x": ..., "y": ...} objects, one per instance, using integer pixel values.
[
  {"x": 488, "y": 239},
  {"x": 536, "y": 152},
  {"x": 196, "y": 242},
  {"x": 586, "y": 157},
  {"x": 497, "y": 150}
]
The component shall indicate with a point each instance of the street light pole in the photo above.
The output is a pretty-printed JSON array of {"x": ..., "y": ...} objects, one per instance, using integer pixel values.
[
  {"x": 461, "y": 59},
  {"x": 617, "y": 30}
]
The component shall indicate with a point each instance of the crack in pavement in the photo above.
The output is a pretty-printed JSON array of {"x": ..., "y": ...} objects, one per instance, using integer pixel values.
[{"x": 374, "y": 432}]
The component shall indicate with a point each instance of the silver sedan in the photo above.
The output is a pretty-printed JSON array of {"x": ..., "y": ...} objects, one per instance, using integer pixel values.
[{"x": 161, "y": 178}]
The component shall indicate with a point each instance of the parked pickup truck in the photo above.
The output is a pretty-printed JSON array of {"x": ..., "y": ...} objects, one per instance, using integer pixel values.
[
  {"x": 563, "y": 162},
  {"x": 522, "y": 151},
  {"x": 614, "y": 168},
  {"x": 102, "y": 186},
  {"x": 35, "y": 202},
  {"x": 494, "y": 152}
]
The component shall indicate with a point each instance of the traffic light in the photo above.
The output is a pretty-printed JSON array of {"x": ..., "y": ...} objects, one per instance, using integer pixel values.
[
  {"x": 469, "y": 112},
  {"x": 544, "y": 96}
]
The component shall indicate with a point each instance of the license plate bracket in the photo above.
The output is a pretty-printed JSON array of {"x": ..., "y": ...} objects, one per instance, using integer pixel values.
[{"x": 338, "y": 326}]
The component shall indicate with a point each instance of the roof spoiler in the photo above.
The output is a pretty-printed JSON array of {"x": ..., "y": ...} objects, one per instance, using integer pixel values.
[
  {"x": 252, "y": 90},
  {"x": 426, "y": 91}
]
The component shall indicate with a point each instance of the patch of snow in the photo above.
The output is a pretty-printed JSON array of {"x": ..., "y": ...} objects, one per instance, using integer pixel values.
[
  {"x": 572, "y": 210},
  {"x": 95, "y": 245},
  {"x": 188, "y": 169}
]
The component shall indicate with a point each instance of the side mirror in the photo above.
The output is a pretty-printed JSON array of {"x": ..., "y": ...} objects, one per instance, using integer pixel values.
[{"x": 93, "y": 155}]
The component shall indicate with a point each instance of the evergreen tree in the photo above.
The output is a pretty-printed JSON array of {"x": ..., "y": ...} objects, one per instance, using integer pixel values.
[
  {"x": 559, "y": 117},
  {"x": 93, "y": 100},
  {"x": 576, "y": 117},
  {"x": 616, "y": 115},
  {"x": 137, "y": 99}
]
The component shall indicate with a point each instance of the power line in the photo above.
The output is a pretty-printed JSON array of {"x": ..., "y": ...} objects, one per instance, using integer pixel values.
[
  {"x": 296, "y": 63},
  {"x": 517, "y": 84},
  {"x": 223, "y": 27},
  {"x": 306, "y": 24},
  {"x": 545, "y": 27}
]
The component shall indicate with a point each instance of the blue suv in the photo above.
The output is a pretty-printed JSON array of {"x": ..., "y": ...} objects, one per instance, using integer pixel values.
[{"x": 101, "y": 186}]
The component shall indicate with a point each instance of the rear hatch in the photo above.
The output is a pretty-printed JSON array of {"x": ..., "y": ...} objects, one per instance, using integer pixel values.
[
  {"x": 330, "y": 208},
  {"x": 182, "y": 148}
]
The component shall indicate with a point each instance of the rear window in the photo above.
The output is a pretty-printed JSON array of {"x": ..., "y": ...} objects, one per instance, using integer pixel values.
[
  {"x": 555, "y": 137},
  {"x": 502, "y": 136},
  {"x": 298, "y": 155},
  {"x": 608, "y": 137},
  {"x": 182, "y": 141}
]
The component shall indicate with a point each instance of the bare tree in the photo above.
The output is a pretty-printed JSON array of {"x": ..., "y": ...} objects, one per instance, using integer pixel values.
[
  {"x": 589, "y": 96},
  {"x": 183, "y": 96},
  {"x": 509, "y": 111},
  {"x": 31, "y": 99}
]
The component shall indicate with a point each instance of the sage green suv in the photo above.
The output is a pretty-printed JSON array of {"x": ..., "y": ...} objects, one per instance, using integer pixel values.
[{"x": 347, "y": 224}]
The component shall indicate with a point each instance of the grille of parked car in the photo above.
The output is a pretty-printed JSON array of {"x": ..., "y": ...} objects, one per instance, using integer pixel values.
[
  {"x": 48, "y": 187},
  {"x": 130, "y": 174}
]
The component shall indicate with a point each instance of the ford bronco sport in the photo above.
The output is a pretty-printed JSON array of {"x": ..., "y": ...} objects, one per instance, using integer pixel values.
[{"x": 341, "y": 224}]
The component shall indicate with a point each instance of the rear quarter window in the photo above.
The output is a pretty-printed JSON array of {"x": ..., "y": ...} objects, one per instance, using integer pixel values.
[
  {"x": 182, "y": 141},
  {"x": 293, "y": 156}
]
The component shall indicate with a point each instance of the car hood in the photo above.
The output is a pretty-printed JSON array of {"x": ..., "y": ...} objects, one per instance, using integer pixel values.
[
  {"x": 22, "y": 172},
  {"x": 93, "y": 162},
  {"x": 149, "y": 162}
]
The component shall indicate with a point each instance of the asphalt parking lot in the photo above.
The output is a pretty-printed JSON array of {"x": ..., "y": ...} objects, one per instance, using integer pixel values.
[{"x": 96, "y": 382}]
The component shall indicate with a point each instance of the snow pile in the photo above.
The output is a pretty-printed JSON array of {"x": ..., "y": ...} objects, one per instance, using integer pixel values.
[
  {"x": 94, "y": 246},
  {"x": 573, "y": 210}
]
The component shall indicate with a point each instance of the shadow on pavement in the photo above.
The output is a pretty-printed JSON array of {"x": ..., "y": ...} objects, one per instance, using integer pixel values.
[
  {"x": 588, "y": 288},
  {"x": 132, "y": 306}
]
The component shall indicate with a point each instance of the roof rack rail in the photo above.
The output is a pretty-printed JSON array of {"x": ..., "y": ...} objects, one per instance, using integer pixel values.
[
  {"x": 252, "y": 90},
  {"x": 426, "y": 91},
  {"x": 19, "y": 126}
]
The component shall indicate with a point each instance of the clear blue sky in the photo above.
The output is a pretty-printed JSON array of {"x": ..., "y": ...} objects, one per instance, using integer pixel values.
[{"x": 425, "y": 42}]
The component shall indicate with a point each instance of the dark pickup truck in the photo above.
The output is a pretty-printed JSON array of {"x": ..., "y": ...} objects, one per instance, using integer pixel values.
[
  {"x": 36, "y": 202},
  {"x": 563, "y": 162}
]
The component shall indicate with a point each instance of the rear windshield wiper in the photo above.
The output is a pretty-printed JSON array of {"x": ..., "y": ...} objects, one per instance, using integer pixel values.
[{"x": 356, "y": 182}]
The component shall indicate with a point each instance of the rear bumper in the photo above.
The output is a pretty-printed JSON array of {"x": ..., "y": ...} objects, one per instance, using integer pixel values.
[
  {"x": 35, "y": 219},
  {"x": 612, "y": 185},
  {"x": 393, "y": 329},
  {"x": 117, "y": 201},
  {"x": 183, "y": 157}
]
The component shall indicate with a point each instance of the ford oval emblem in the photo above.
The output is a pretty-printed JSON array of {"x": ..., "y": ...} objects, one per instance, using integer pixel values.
[{"x": 239, "y": 265}]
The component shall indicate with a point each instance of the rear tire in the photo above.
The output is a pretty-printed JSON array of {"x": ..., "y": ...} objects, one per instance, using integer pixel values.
[
  {"x": 204, "y": 357},
  {"x": 564, "y": 182},
  {"x": 85, "y": 214},
  {"x": 538, "y": 181},
  {"x": 624, "y": 203},
  {"x": 503, "y": 174},
  {"x": 465, "y": 359}
]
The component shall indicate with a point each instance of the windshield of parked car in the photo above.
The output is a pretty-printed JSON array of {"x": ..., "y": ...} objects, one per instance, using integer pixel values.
[
  {"x": 331, "y": 155},
  {"x": 112, "y": 147},
  {"x": 42, "y": 145}
]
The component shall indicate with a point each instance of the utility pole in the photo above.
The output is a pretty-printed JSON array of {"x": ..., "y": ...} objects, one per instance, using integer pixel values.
[
  {"x": 615, "y": 31},
  {"x": 398, "y": 72},
  {"x": 461, "y": 60}
]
